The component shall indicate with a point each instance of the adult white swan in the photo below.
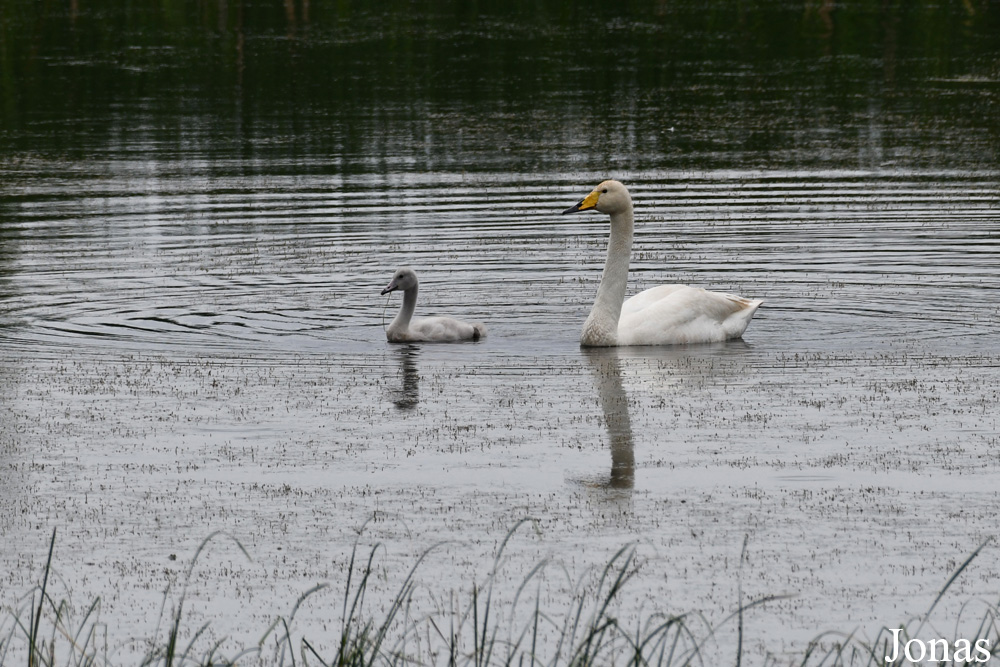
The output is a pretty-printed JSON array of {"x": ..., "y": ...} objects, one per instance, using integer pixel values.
[
  {"x": 664, "y": 315},
  {"x": 405, "y": 329}
]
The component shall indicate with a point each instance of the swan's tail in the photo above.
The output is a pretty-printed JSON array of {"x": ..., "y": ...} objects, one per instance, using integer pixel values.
[
  {"x": 742, "y": 302},
  {"x": 738, "y": 322}
]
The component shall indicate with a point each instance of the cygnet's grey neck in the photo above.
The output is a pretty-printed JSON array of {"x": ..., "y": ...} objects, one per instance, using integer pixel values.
[
  {"x": 601, "y": 327},
  {"x": 402, "y": 320}
]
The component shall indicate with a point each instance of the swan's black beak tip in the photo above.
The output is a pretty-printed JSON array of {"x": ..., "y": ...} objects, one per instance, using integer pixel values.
[
  {"x": 588, "y": 203},
  {"x": 391, "y": 287}
]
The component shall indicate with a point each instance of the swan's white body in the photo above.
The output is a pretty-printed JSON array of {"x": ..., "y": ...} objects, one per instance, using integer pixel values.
[
  {"x": 407, "y": 329},
  {"x": 664, "y": 315}
]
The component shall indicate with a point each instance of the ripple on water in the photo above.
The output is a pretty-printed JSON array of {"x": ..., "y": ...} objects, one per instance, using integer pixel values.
[
  {"x": 214, "y": 353},
  {"x": 860, "y": 258}
]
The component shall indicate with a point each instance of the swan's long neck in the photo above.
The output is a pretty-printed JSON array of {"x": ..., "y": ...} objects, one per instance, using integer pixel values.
[
  {"x": 601, "y": 327},
  {"x": 402, "y": 321}
]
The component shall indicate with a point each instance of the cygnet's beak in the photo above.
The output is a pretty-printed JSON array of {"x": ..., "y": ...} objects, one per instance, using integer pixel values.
[
  {"x": 587, "y": 203},
  {"x": 391, "y": 287}
]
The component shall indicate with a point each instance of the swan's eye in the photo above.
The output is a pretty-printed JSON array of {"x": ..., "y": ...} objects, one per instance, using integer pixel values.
[{"x": 605, "y": 190}]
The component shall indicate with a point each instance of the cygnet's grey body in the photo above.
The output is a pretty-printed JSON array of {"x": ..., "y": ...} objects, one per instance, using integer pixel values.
[{"x": 407, "y": 329}]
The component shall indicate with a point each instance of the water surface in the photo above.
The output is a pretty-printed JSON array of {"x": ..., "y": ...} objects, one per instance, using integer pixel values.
[{"x": 199, "y": 210}]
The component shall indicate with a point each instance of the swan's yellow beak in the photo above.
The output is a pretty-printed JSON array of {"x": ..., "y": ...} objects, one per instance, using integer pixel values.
[{"x": 589, "y": 202}]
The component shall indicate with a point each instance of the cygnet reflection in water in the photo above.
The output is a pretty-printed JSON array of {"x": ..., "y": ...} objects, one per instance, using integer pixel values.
[{"x": 407, "y": 395}]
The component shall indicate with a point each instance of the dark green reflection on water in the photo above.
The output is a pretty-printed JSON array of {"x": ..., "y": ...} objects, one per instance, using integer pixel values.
[{"x": 450, "y": 85}]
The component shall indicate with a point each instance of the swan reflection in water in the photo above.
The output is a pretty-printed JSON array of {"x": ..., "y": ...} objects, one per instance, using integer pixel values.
[
  {"x": 668, "y": 371},
  {"x": 407, "y": 395},
  {"x": 605, "y": 363}
]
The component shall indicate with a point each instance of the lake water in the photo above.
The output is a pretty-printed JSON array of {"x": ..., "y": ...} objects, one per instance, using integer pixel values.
[{"x": 198, "y": 210}]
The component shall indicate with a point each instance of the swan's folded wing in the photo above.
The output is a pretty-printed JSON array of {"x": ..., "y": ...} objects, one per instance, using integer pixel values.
[
  {"x": 684, "y": 315},
  {"x": 650, "y": 297}
]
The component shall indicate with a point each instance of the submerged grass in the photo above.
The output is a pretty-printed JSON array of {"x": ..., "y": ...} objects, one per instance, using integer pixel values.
[{"x": 476, "y": 635}]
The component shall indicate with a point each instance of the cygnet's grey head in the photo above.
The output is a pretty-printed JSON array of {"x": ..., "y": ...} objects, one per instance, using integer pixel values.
[
  {"x": 403, "y": 279},
  {"x": 609, "y": 197}
]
